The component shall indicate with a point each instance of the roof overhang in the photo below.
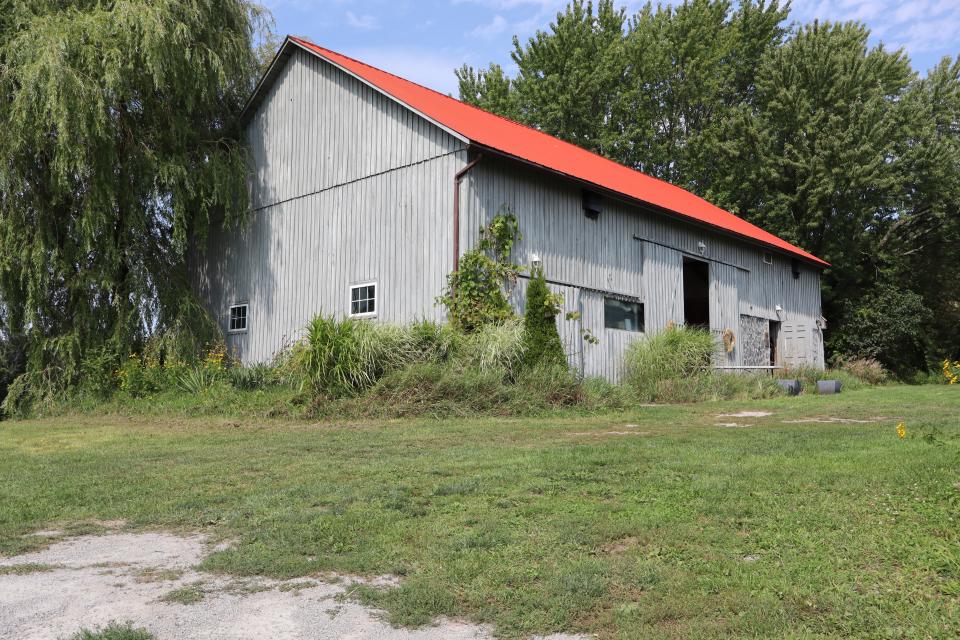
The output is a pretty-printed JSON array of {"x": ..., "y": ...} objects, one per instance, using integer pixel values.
[
  {"x": 652, "y": 208},
  {"x": 292, "y": 44}
]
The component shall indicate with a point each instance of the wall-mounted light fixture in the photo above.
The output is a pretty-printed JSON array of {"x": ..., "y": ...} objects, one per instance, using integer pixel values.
[
  {"x": 535, "y": 261},
  {"x": 702, "y": 247}
]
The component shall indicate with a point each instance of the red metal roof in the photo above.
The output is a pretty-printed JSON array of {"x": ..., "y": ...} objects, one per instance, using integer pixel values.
[{"x": 519, "y": 141}]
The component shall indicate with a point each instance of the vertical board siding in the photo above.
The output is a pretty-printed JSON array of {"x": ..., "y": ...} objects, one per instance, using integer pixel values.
[
  {"x": 632, "y": 251},
  {"x": 319, "y": 127},
  {"x": 724, "y": 310},
  {"x": 664, "y": 282},
  {"x": 348, "y": 187}
]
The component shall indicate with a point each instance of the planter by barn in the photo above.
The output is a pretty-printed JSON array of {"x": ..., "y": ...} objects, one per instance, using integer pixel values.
[{"x": 365, "y": 186}]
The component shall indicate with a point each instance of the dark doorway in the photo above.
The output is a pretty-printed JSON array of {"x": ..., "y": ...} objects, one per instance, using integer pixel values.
[
  {"x": 696, "y": 293},
  {"x": 774, "y": 343}
]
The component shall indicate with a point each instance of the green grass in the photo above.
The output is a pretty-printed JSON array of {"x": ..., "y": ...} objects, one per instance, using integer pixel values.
[
  {"x": 26, "y": 568},
  {"x": 682, "y": 529},
  {"x": 188, "y": 594},
  {"x": 113, "y": 631}
]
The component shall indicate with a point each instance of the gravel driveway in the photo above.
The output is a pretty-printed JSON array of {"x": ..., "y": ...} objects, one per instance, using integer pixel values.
[{"x": 145, "y": 578}]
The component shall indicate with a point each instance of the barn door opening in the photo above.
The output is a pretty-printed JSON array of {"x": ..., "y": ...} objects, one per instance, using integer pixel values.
[
  {"x": 774, "y": 343},
  {"x": 696, "y": 293}
]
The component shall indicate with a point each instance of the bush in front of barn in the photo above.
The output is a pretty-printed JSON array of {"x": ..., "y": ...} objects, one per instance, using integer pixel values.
[
  {"x": 345, "y": 368},
  {"x": 676, "y": 366}
]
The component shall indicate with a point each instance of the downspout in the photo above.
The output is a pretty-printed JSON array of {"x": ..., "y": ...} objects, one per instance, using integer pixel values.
[{"x": 457, "y": 179}]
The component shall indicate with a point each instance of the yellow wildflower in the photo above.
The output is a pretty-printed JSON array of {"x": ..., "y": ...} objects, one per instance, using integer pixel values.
[{"x": 901, "y": 430}]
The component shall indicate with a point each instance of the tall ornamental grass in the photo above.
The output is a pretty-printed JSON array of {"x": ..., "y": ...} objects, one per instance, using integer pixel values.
[
  {"x": 345, "y": 357},
  {"x": 664, "y": 361},
  {"x": 676, "y": 366}
]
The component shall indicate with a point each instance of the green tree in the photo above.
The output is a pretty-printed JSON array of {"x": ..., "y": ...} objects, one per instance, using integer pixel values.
[
  {"x": 687, "y": 67},
  {"x": 567, "y": 78},
  {"x": 814, "y": 157},
  {"x": 917, "y": 246},
  {"x": 121, "y": 145},
  {"x": 541, "y": 340},
  {"x": 490, "y": 89},
  {"x": 888, "y": 324}
]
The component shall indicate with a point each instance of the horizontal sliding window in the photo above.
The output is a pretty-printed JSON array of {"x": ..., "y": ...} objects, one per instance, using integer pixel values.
[{"x": 622, "y": 314}]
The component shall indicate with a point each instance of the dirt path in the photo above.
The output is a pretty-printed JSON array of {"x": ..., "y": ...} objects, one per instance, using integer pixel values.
[{"x": 148, "y": 579}]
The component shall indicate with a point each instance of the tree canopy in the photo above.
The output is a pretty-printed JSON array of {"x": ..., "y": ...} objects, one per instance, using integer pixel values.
[
  {"x": 121, "y": 144},
  {"x": 804, "y": 129}
]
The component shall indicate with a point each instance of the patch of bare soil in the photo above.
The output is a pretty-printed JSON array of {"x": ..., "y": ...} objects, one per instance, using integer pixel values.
[
  {"x": 149, "y": 579},
  {"x": 833, "y": 420},
  {"x": 617, "y": 431},
  {"x": 746, "y": 414}
]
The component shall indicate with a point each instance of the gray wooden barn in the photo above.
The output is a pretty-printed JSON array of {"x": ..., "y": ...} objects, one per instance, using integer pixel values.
[{"x": 366, "y": 188}]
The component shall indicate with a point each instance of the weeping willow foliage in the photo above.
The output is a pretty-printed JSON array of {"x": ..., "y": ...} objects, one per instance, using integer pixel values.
[{"x": 120, "y": 146}]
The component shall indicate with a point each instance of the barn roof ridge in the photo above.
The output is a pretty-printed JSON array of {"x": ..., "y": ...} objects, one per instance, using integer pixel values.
[{"x": 576, "y": 162}]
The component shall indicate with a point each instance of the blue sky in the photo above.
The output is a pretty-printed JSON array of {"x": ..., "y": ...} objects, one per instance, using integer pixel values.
[{"x": 424, "y": 40}]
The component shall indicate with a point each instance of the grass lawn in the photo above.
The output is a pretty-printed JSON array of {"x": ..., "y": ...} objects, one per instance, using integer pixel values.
[{"x": 653, "y": 523}]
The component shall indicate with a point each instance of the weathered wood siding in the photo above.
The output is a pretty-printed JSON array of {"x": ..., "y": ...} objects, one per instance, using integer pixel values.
[
  {"x": 348, "y": 187},
  {"x": 632, "y": 251}
]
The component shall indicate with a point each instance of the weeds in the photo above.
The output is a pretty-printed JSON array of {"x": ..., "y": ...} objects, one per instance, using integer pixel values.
[
  {"x": 114, "y": 631},
  {"x": 189, "y": 594},
  {"x": 26, "y": 569},
  {"x": 345, "y": 368}
]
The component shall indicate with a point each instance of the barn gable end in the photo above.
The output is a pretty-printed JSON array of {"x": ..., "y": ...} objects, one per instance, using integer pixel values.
[{"x": 347, "y": 187}]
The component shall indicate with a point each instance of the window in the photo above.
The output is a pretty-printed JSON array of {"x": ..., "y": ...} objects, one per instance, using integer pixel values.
[
  {"x": 238, "y": 318},
  {"x": 363, "y": 299},
  {"x": 622, "y": 314},
  {"x": 768, "y": 258}
]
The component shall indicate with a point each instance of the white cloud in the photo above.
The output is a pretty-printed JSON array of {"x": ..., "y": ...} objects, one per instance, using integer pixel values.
[
  {"x": 365, "y": 22},
  {"x": 492, "y": 29},
  {"x": 430, "y": 68},
  {"x": 923, "y": 27}
]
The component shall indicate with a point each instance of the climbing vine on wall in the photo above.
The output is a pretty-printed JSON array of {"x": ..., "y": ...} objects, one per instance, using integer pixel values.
[{"x": 477, "y": 292}]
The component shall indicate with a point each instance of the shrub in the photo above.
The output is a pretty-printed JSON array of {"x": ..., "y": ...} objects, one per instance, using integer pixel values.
[
  {"x": 251, "y": 378},
  {"x": 670, "y": 365},
  {"x": 889, "y": 325},
  {"x": 448, "y": 389},
  {"x": 493, "y": 347},
  {"x": 135, "y": 379},
  {"x": 99, "y": 373},
  {"x": 343, "y": 357},
  {"x": 433, "y": 342},
  {"x": 196, "y": 380},
  {"x": 541, "y": 339},
  {"x": 867, "y": 370}
]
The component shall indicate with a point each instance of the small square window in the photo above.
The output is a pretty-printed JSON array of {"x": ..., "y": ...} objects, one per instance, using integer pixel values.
[
  {"x": 238, "y": 318},
  {"x": 363, "y": 299},
  {"x": 622, "y": 314},
  {"x": 767, "y": 258}
]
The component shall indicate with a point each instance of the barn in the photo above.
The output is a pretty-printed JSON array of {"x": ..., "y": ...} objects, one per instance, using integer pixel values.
[{"x": 367, "y": 188}]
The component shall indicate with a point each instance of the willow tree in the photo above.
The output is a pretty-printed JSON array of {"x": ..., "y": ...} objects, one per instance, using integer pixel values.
[{"x": 120, "y": 144}]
